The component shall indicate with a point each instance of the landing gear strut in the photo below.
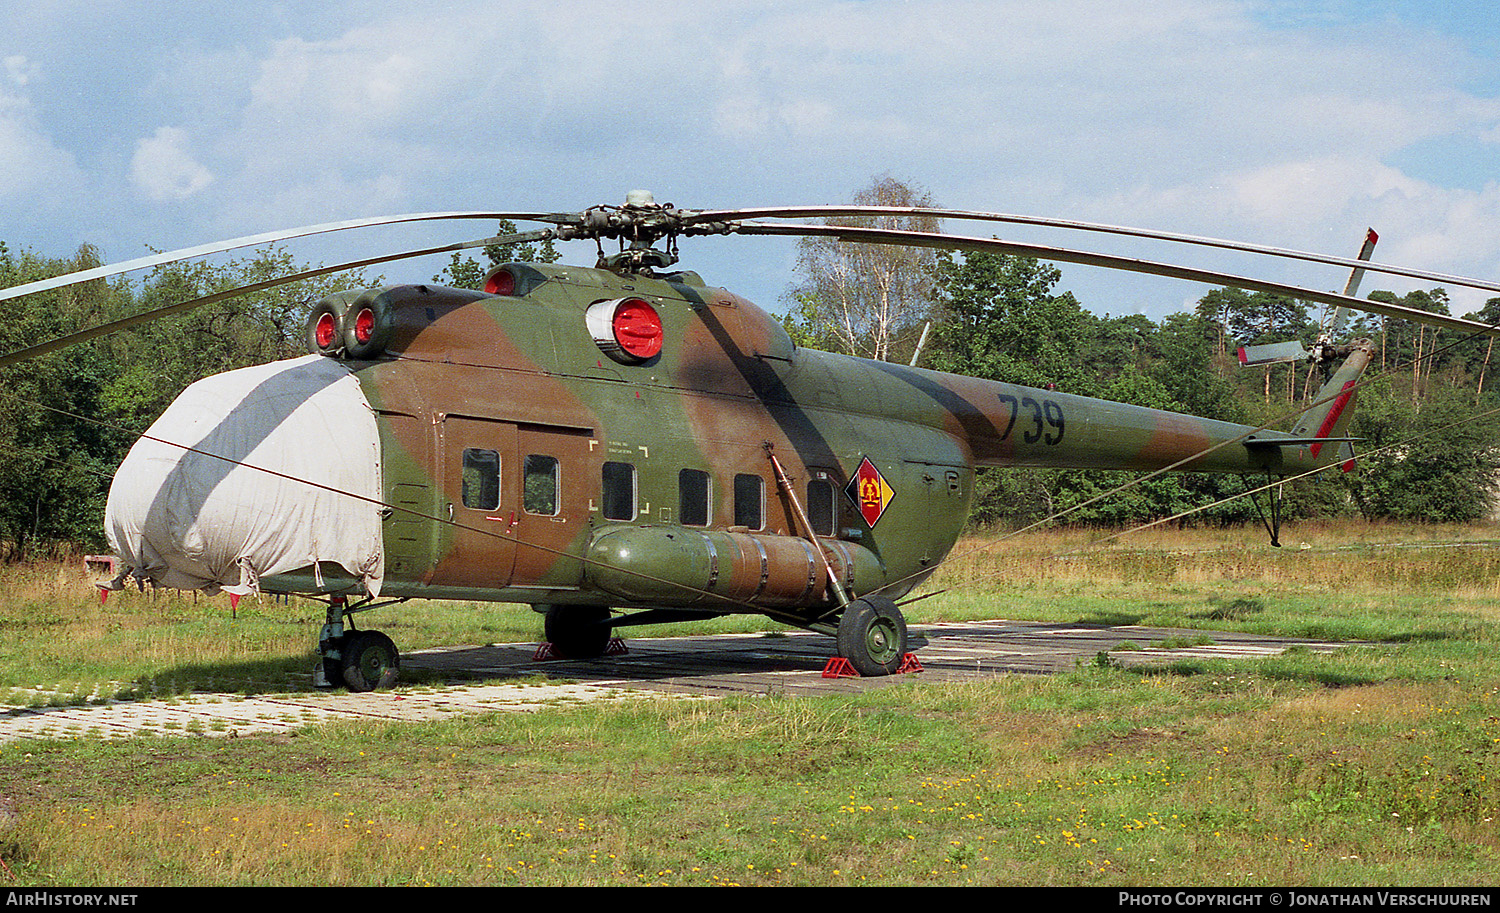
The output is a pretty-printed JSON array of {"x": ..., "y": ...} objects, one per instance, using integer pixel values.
[
  {"x": 578, "y": 631},
  {"x": 361, "y": 660},
  {"x": 872, "y": 635}
]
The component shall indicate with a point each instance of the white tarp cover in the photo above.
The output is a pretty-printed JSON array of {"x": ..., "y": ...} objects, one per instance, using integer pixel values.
[{"x": 186, "y": 519}]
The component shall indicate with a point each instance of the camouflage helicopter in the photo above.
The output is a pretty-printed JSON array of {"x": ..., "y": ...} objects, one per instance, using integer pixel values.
[{"x": 625, "y": 444}]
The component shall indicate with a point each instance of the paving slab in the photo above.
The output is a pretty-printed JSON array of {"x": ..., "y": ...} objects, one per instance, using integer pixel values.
[{"x": 703, "y": 666}]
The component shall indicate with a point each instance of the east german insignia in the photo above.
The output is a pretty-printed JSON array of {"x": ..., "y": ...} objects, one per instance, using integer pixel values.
[{"x": 869, "y": 491}]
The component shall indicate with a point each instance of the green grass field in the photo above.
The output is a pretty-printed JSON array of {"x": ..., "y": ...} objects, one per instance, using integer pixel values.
[{"x": 1376, "y": 765}]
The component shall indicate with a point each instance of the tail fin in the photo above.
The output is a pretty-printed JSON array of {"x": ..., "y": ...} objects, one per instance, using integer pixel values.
[{"x": 1335, "y": 404}]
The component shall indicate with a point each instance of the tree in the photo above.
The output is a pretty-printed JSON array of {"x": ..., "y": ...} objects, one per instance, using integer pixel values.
[
  {"x": 54, "y": 462},
  {"x": 867, "y": 299},
  {"x": 803, "y": 325},
  {"x": 465, "y": 272},
  {"x": 1406, "y": 344},
  {"x": 1120, "y": 343},
  {"x": 1477, "y": 365},
  {"x": 1188, "y": 369},
  {"x": 1002, "y": 321},
  {"x": 1255, "y": 318},
  {"x": 1437, "y": 463}
]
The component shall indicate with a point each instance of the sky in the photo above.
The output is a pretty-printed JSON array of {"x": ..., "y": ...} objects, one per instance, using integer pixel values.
[{"x": 138, "y": 126}]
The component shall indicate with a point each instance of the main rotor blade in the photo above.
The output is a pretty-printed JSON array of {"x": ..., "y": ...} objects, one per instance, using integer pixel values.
[
  {"x": 807, "y": 212},
  {"x": 101, "y": 272},
  {"x": 125, "y": 323},
  {"x": 899, "y": 237}
]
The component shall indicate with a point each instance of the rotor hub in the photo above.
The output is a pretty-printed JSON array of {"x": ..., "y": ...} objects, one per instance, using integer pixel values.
[{"x": 638, "y": 225}]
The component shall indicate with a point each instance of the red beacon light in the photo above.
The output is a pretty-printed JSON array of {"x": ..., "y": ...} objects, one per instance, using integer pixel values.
[
  {"x": 628, "y": 330},
  {"x": 500, "y": 282}
]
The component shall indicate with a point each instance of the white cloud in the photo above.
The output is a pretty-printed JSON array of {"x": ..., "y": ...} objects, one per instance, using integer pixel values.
[
  {"x": 1298, "y": 192},
  {"x": 20, "y": 70},
  {"x": 315, "y": 197},
  {"x": 30, "y": 162},
  {"x": 164, "y": 169}
]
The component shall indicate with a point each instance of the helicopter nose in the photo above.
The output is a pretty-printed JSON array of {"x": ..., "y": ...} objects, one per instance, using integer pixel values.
[{"x": 252, "y": 473}]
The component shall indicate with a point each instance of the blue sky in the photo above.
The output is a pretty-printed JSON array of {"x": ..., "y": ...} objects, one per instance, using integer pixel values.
[{"x": 139, "y": 125}]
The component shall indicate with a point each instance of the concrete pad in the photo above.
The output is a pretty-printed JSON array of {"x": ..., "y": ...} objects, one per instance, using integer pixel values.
[{"x": 705, "y": 666}]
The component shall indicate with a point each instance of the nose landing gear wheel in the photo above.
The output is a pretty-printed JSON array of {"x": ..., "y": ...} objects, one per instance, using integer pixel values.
[
  {"x": 370, "y": 661},
  {"x": 872, "y": 635}
]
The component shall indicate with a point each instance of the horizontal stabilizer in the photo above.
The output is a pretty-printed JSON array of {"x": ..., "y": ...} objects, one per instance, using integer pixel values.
[
  {"x": 1271, "y": 353},
  {"x": 1300, "y": 441}
]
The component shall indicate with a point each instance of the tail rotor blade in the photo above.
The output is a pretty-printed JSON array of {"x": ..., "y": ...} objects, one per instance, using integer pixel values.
[
  {"x": 1272, "y": 353},
  {"x": 1341, "y": 315}
]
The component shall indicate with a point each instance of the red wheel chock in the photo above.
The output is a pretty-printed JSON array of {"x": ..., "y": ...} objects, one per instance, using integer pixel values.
[
  {"x": 544, "y": 651},
  {"x": 839, "y": 667}
]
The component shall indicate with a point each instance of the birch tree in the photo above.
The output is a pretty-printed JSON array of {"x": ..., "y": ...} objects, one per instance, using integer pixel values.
[{"x": 867, "y": 299}]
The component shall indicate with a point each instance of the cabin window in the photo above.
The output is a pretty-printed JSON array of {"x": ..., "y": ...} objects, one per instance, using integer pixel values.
[
  {"x": 749, "y": 501},
  {"x": 539, "y": 475},
  {"x": 693, "y": 497},
  {"x": 820, "y": 510},
  {"x": 481, "y": 479},
  {"x": 619, "y": 491}
]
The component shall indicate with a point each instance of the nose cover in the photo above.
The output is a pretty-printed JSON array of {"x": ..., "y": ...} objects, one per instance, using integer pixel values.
[{"x": 261, "y": 471}]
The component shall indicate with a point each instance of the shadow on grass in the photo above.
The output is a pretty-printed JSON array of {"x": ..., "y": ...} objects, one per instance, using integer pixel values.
[
  {"x": 1294, "y": 668},
  {"x": 1422, "y": 637},
  {"x": 277, "y": 675},
  {"x": 1231, "y": 609},
  {"x": 273, "y": 675},
  {"x": 1112, "y": 619}
]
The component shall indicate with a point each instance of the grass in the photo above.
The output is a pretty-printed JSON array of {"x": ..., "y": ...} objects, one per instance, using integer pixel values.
[{"x": 1370, "y": 766}]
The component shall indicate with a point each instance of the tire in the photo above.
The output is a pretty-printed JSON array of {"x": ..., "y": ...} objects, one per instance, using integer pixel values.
[
  {"x": 370, "y": 661},
  {"x": 578, "y": 632},
  {"x": 872, "y": 635}
]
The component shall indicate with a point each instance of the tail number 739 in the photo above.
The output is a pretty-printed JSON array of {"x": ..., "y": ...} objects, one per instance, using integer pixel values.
[{"x": 1040, "y": 421}]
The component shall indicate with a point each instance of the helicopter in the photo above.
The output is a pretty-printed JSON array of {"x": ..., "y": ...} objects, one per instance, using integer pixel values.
[{"x": 625, "y": 444}]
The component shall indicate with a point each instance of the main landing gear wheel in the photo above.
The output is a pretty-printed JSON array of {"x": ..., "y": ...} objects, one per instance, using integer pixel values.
[
  {"x": 872, "y": 635},
  {"x": 370, "y": 661},
  {"x": 578, "y": 632}
]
